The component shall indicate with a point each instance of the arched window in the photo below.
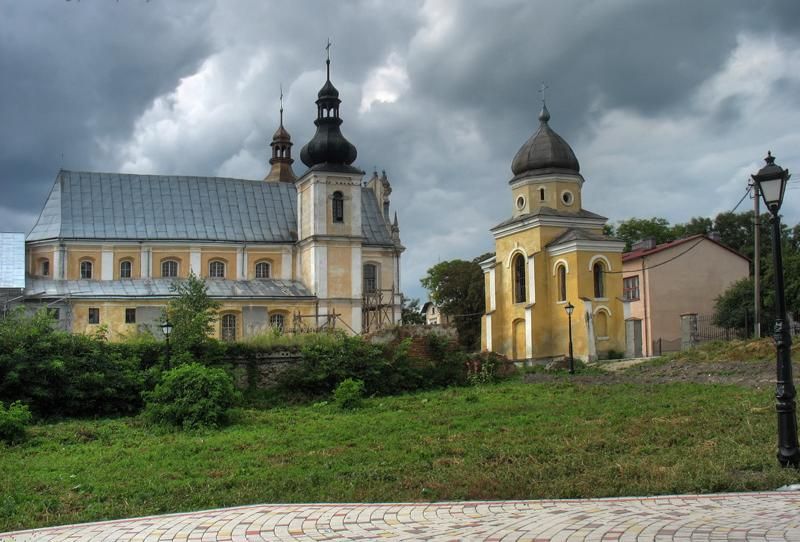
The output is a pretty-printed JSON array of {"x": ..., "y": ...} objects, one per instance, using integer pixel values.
[
  {"x": 216, "y": 269},
  {"x": 519, "y": 278},
  {"x": 370, "y": 278},
  {"x": 169, "y": 268},
  {"x": 541, "y": 194},
  {"x": 125, "y": 269},
  {"x": 601, "y": 324},
  {"x": 229, "y": 327},
  {"x": 45, "y": 268},
  {"x": 86, "y": 269},
  {"x": 277, "y": 321},
  {"x": 599, "y": 280},
  {"x": 562, "y": 282},
  {"x": 338, "y": 207},
  {"x": 262, "y": 270}
]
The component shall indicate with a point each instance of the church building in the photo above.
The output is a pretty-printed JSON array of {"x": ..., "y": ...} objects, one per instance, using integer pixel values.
[
  {"x": 293, "y": 253},
  {"x": 551, "y": 255}
]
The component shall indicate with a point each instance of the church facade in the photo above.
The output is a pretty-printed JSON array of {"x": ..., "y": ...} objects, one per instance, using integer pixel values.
[
  {"x": 293, "y": 253},
  {"x": 551, "y": 254}
]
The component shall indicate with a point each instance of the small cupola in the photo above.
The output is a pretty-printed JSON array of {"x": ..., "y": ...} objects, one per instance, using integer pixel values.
[
  {"x": 328, "y": 146},
  {"x": 281, "y": 161},
  {"x": 545, "y": 152}
]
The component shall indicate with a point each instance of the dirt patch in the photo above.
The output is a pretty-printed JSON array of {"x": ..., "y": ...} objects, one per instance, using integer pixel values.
[{"x": 751, "y": 374}]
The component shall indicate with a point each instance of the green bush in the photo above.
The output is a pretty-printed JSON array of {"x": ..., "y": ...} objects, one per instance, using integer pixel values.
[
  {"x": 192, "y": 396},
  {"x": 349, "y": 394},
  {"x": 60, "y": 374},
  {"x": 13, "y": 421}
]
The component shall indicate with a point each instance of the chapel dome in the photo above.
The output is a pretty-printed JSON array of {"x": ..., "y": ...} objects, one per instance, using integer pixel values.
[{"x": 545, "y": 150}]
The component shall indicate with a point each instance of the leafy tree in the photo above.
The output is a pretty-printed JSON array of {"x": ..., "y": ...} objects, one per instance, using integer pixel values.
[
  {"x": 734, "y": 307},
  {"x": 411, "y": 314},
  {"x": 457, "y": 287},
  {"x": 192, "y": 314},
  {"x": 636, "y": 229},
  {"x": 698, "y": 225}
]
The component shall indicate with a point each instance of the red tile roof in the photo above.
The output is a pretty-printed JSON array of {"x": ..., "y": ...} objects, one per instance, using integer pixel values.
[{"x": 641, "y": 253}]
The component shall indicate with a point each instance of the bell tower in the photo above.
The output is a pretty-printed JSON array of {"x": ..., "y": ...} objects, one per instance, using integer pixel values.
[{"x": 281, "y": 161}]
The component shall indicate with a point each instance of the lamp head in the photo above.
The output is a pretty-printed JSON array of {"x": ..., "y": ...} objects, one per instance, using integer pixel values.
[
  {"x": 166, "y": 328},
  {"x": 771, "y": 181},
  {"x": 569, "y": 307}
]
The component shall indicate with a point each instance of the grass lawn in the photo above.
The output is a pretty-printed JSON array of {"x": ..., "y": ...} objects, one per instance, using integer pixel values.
[{"x": 507, "y": 441}]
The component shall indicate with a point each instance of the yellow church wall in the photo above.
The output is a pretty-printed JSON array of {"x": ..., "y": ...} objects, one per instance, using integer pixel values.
[
  {"x": 132, "y": 256},
  {"x": 226, "y": 256},
  {"x": 37, "y": 255},
  {"x": 385, "y": 262},
  {"x": 553, "y": 195},
  {"x": 180, "y": 254},
  {"x": 339, "y": 271},
  {"x": 304, "y": 194},
  {"x": 339, "y": 228},
  {"x": 76, "y": 254}
]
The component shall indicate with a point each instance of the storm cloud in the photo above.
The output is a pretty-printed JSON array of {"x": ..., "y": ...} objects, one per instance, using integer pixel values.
[{"x": 668, "y": 105}]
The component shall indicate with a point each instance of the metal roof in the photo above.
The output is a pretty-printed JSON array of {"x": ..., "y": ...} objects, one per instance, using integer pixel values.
[
  {"x": 12, "y": 260},
  {"x": 118, "y": 206},
  {"x": 158, "y": 288},
  {"x": 549, "y": 211},
  {"x": 579, "y": 234}
]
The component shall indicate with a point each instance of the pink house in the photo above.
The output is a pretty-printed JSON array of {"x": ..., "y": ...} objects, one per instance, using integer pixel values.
[{"x": 661, "y": 282}]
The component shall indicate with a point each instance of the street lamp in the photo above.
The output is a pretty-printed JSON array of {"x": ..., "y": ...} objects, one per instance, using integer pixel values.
[
  {"x": 771, "y": 181},
  {"x": 569, "y": 308},
  {"x": 166, "y": 329}
]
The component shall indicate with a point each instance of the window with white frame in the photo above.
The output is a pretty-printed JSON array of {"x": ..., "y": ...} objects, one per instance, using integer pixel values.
[
  {"x": 169, "y": 268},
  {"x": 263, "y": 270},
  {"x": 277, "y": 321},
  {"x": 86, "y": 269},
  {"x": 216, "y": 269},
  {"x": 370, "y": 278},
  {"x": 125, "y": 269},
  {"x": 228, "y": 327},
  {"x": 630, "y": 288}
]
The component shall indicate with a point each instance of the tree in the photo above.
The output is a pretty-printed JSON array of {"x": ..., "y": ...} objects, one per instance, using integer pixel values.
[
  {"x": 637, "y": 229},
  {"x": 411, "y": 314},
  {"x": 698, "y": 225},
  {"x": 192, "y": 314},
  {"x": 457, "y": 287},
  {"x": 734, "y": 307}
]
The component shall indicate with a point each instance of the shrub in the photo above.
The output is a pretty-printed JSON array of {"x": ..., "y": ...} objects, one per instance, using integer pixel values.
[
  {"x": 192, "y": 396},
  {"x": 13, "y": 421},
  {"x": 349, "y": 394}
]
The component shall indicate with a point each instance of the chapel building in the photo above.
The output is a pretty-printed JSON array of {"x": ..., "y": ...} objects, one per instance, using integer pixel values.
[
  {"x": 293, "y": 253},
  {"x": 550, "y": 254}
]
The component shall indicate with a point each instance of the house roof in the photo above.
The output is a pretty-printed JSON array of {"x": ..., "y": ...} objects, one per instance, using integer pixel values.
[
  {"x": 142, "y": 288},
  {"x": 119, "y": 206},
  {"x": 641, "y": 253}
]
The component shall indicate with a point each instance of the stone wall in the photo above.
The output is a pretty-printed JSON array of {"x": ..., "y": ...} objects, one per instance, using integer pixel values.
[{"x": 262, "y": 369}]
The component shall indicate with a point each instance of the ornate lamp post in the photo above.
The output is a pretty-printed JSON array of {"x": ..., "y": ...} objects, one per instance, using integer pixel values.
[
  {"x": 771, "y": 181},
  {"x": 569, "y": 308},
  {"x": 166, "y": 329}
]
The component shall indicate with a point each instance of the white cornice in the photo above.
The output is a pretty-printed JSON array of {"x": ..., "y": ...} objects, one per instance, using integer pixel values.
[
  {"x": 537, "y": 221},
  {"x": 488, "y": 264},
  {"x": 564, "y": 178},
  {"x": 587, "y": 245}
]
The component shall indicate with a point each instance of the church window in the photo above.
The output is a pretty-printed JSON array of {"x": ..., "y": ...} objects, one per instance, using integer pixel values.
[
  {"x": 520, "y": 203},
  {"x": 130, "y": 316},
  {"x": 562, "y": 282},
  {"x": 86, "y": 269},
  {"x": 94, "y": 316},
  {"x": 566, "y": 197},
  {"x": 229, "y": 327},
  {"x": 541, "y": 194},
  {"x": 630, "y": 288},
  {"x": 169, "y": 268},
  {"x": 370, "y": 278},
  {"x": 125, "y": 269},
  {"x": 338, "y": 207},
  {"x": 216, "y": 270},
  {"x": 599, "y": 280},
  {"x": 277, "y": 321},
  {"x": 262, "y": 270},
  {"x": 45, "y": 268},
  {"x": 519, "y": 278}
]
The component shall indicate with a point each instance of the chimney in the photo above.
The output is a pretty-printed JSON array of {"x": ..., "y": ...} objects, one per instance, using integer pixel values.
[{"x": 644, "y": 244}]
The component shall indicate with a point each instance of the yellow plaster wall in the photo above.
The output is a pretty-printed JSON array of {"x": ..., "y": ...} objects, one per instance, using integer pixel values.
[
  {"x": 228, "y": 257},
  {"x": 76, "y": 254},
  {"x": 131, "y": 255},
  {"x": 339, "y": 228},
  {"x": 553, "y": 190},
  {"x": 274, "y": 258},
  {"x": 180, "y": 254},
  {"x": 339, "y": 271},
  {"x": 36, "y": 255}
]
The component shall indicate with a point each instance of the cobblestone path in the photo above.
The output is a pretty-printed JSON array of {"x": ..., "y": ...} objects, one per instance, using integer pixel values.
[{"x": 746, "y": 516}]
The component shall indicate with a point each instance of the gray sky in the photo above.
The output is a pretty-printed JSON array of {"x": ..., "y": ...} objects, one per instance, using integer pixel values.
[{"x": 669, "y": 105}]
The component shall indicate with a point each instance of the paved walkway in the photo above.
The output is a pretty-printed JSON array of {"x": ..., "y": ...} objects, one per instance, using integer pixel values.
[{"x": 747, "y": 516}]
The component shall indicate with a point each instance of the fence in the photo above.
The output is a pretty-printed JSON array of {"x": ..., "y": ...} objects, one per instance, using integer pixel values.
[
  {"x": 661, "y": 346},
  {"x": 700, "y": 328}
]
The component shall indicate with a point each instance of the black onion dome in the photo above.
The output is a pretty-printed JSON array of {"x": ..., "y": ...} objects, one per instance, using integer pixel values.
[
  {"x": 328, "y": 146},
  {"x": 545, "y": 150}
]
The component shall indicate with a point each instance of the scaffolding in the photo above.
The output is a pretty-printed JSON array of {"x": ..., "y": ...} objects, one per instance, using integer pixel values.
[{"x": 377, "y": 309}]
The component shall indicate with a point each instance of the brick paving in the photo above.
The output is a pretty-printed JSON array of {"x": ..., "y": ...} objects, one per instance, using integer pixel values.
[{"x": 746, "y": 516}]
